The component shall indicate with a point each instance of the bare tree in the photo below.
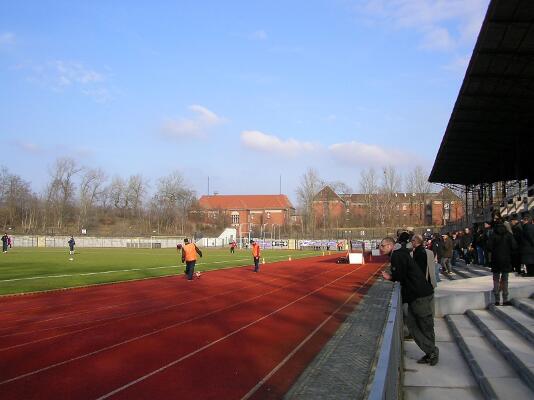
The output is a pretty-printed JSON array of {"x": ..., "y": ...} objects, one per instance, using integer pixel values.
[
  {"x": 417, "y": 183},
  {"x": 172, "y": 202},
  {"x": 91, "y": 189},
  {"x": 310, "y": 184},
  {"x": 369, "y": 188},
  {"x": 118, "y": 194},
  {"x": 136, "y": 190},
  {"x": 60, "y": 190},
  {"x": 388, "y": 201},
  {"x": 17, "y": 202}
]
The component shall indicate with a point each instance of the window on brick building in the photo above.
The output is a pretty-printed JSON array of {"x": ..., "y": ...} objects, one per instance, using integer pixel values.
[{"x": 235, "y": 218}]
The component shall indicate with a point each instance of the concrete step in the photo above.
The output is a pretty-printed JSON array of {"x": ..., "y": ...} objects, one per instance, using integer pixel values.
[
  {"x": 449, "y": 379},
  {"x": 466, "y": 272},
  {"x": 525, "y": 305},
  {"x": 518, "y": 351},
  {"x": 521, "y": 322},
  {"x": 475, "y": 269},
  {"x": 494, "y": 375}
]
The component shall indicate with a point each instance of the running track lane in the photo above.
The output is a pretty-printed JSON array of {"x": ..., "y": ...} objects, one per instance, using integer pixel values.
[{"x": 250, "y": 350}]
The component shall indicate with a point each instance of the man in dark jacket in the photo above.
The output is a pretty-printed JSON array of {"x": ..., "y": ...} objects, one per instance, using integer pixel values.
[
  {"x": 527, "y": 244},
  {"x": 517, "y": 231},
  {"x": 446, "y": 253},
  {"x": 418, "y": 293},
  {"x": 502, "y": 244},
  {"x": 465, "y": 243}
]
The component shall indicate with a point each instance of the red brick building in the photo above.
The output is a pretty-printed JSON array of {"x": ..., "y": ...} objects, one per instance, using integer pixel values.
[
  {"x": 248, "y": 213},
  {"x": 334, "y": 210}
]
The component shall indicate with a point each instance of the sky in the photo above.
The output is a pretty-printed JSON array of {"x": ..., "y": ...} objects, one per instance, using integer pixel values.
[{"x": 247, "y": 93}]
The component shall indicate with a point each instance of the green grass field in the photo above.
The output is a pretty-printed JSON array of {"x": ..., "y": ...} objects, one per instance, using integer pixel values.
[{"x": 25, "y": 270}]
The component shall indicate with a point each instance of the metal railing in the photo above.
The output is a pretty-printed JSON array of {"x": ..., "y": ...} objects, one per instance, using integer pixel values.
[{"x": 386, "y": 382}]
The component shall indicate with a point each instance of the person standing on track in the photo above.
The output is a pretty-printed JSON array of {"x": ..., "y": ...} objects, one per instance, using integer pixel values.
[
  {"x": 256, "y": 255},
  {"x": 189, "y": 257}
]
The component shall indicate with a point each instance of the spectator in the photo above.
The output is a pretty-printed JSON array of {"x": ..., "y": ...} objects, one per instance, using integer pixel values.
[
  {"x": 446, "y": 253},
  {"x": 424, "y": 258},
  {"x": 465, "y": 244},
  {"x": 479, "y": 243},
  {"x": 501, "y": 244},
  {"x": 527, "y": 244},
  {"x": 418, "y": 294},
  {"x": 517, "y": 231}
]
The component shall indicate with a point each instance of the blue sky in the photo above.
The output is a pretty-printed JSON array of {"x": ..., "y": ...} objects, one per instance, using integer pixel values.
[{"x": 240, "y": 91}]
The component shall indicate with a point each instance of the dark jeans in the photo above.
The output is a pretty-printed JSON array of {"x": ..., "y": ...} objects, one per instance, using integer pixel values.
[
  {"x": 481, "y": 258},
  {"x": 420, "y": 323},
  {"x": 454, "y": 258},
  {"x": 256, "y": 264},
  {"x": 190, "y": 269}
]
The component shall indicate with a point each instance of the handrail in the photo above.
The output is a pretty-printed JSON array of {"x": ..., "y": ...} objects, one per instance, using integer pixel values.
[{"x": 386, "y": 381}]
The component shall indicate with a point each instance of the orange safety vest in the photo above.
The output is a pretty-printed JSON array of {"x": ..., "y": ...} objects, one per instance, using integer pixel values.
[
  {"x": 190, "y": 251},
  {"x": 255, "y": 250}
]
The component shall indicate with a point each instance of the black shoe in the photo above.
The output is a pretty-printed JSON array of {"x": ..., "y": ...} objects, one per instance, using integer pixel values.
[
  {"x": 497, "y": 303},
  {"x": 424, "y": 360},
  {"x": 507, "y": 303},
  {"x": 434, "y": 357}
]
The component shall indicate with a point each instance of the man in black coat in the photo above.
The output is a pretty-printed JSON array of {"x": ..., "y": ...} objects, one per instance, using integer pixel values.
[
  {"x": 527, "y": 244},
  {"x": 501, "y": 244},
  {"x": 517, "y": 231},
  {"x": 418, "y": 293},
  {"x": 465, "y": 243}
]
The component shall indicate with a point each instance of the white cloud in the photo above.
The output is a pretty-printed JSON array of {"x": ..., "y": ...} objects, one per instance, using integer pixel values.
[
  {"x": 442, "y": 24},
  {"x": 259, "y": 35},
  {"x": 28, "y": 147},
  {"x": 362, "y": 154},
  {"x": 263, "y": 142},
  {"x": 198, "y": 125},
  {"x": 7, "y": 38},
  {"x": 60, "y": 76}
]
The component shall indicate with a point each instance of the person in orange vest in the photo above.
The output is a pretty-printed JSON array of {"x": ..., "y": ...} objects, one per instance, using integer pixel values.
[
  {"x": 256, "y": 255},
  {"x": 189, "y": 257}
]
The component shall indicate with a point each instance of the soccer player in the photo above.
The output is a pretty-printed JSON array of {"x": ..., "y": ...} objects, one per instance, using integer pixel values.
[
  {"x": 256, "y": 255},
  {"x": 189, "y": 257},
  {"x": 4, "y": 243},
  {"x": 71, "y": 243}
]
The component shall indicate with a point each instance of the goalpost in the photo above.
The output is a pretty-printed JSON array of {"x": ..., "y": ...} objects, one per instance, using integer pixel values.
[{"x": 159, "y": 242}]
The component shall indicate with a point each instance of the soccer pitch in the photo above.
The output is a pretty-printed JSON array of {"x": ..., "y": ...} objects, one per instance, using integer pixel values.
[{"x": 24, "y": 270}]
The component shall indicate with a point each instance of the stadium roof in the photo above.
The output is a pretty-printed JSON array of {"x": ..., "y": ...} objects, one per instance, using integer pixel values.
[
  {"x": 489, "y": 137},
  {"x": 245, "y": 202}
]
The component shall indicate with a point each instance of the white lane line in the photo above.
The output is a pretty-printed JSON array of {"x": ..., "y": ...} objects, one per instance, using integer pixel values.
[
  {"x": 149, "y": 334},
  {"x": 299, "y": 346},
  {"x": 137, "y": 269},
  {"x": 185, "y": 357}
]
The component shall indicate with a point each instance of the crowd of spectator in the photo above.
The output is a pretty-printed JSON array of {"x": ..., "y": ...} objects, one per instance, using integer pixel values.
[{"x": 477, "y": 245}]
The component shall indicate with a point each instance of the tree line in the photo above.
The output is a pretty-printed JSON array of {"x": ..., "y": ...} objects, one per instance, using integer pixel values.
[
  {"x": 77, "y": 197},
  {"x": 378, "y": 189}
]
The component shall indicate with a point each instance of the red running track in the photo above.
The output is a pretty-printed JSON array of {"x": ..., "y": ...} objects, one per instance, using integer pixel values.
[{"x": 232, "y": 334}]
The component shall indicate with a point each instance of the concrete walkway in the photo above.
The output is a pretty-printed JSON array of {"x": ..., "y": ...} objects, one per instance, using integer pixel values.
[{"x": 483, "y": 353}]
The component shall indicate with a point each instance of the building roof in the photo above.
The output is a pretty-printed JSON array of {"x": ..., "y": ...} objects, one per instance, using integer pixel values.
[
  {"x": 327, "y": 194},
  {"x": 489, "y": 136},
  {"x": 245, "y": 202}
]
